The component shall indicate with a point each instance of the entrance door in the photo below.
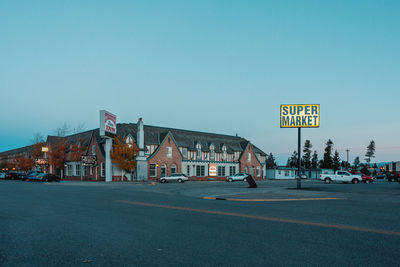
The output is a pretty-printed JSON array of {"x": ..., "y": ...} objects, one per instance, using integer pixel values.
[{"x": 163, "y": 171}]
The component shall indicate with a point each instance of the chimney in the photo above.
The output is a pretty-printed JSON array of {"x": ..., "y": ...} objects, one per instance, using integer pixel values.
[{"x": 140, "y": 134}]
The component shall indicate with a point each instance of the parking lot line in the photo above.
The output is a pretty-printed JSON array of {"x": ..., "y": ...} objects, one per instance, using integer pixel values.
[
  {"x": 271, "y": 199},
  {"x": 265, "y": 218}
]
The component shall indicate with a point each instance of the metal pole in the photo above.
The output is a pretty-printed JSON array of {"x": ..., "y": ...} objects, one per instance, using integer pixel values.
[{"x": 298, "y": 159}]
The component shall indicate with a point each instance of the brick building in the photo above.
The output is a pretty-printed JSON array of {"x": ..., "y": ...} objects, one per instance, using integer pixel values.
[{"x": 166, "y": 151}]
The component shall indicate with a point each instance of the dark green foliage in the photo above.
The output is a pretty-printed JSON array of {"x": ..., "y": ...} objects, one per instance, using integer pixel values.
[
  {"x": 270, "y": 161},
  {"x": 327, "y": 162},
  {"x": 314, "y": 160},
  {"x": 356, "y": 162},
  {"x": 370, "y": 151},
  {"x": 292, "y": 161},
  {"x": 306, "y": 159},
  {"x": 336, "y": 161}
]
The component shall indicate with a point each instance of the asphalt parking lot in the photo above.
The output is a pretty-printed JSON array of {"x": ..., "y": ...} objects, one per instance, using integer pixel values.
[{"x": 199, "y": 223}]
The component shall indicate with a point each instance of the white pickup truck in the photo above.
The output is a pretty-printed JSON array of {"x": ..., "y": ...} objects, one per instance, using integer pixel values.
[{"x": 341, "y": 176}]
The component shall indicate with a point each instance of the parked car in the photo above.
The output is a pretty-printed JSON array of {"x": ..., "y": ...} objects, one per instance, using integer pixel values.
[
  {"x": 175, "y": 177},
  {"x": 340, "y": 176},
  {"x": 237, "y": 177},
  {"x": 380, "y": 176},
  {"x": 366, "y": 178},
  {"x": 22, "y": 176},
  {"x": 393, "y": 176},
  {"x": 11, "y": 176},
  {"x": 33, "y": 175},
  {"x": 47, "y": 177},
  {"x": 2, "y": 175}
]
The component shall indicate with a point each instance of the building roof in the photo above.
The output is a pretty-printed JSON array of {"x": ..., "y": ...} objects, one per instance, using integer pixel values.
[
  {"x": 187, "y": 138},
  {"x": 154, "y": 135}
]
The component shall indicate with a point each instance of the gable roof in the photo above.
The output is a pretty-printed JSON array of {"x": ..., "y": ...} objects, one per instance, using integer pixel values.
[{"x": 187, "y": 138}]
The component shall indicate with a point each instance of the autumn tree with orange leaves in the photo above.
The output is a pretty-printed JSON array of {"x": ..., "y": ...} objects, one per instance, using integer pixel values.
[
  {"x": 25, "y": 164},
  {"x": 58, "y": 155},
  {"x": 37, "y": 150},
  {"x": 123, "y": 154}
]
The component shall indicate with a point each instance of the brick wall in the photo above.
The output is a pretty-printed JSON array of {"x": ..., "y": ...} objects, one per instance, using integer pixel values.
[
  {"x": 244, "y": 163},
  {"x": 160, "y": 158}
]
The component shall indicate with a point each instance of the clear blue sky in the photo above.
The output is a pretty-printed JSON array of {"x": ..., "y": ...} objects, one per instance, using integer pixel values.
[{"x": 217, "y": 66}]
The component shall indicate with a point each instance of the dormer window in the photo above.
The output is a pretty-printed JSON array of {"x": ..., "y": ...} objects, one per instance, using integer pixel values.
[
  {"x": 224, "y": 152},
  {"x": 129, "y": 140},
  {"x": 212, "y": 152},
  {"x": 198, "y": 150}
]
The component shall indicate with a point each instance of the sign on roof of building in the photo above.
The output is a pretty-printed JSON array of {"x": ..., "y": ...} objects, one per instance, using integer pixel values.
[{"x": 300, "y": 116}]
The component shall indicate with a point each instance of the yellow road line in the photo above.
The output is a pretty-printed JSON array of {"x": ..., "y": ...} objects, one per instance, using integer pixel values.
[
  {"x": 266, "y": 218},
  {"x": 272, "y": 199}
]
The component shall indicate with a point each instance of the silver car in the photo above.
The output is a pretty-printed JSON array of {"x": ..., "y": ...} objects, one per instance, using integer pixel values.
[
  {"x": 237, "y": 177},
  {"x": 175, "y": 177}
]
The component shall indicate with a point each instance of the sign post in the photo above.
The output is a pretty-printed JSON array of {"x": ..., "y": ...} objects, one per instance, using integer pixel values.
[
  {"x": 108, "y": 130},
  {"x": 299, "y": 116}
]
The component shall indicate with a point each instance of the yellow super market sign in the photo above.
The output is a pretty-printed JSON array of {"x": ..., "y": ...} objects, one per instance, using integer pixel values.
[{"x": 300, "y": 116}]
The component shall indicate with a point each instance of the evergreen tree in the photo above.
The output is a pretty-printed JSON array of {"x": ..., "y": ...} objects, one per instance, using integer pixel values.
[
  {"x": 327, "y": 162},
  {"x": 314, "y": 160},
  {"x": 306, "y": 159},
  {"x": 270, "y": 162},
  {"x": 345, "y": 164},
  {"x": 336, "y": 161},
  {"x": 365, "y": 170},
  {"x": 292, "y": 161},
  {"x": 370, "y": 152},
  {"x": 356, "y": 162}
]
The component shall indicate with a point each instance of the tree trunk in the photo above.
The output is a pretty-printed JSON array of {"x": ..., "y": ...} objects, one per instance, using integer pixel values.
[{"x": 122, "y": 176}]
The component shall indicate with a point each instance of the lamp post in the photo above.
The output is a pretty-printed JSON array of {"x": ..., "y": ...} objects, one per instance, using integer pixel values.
[{"x": 347, "y": 150}]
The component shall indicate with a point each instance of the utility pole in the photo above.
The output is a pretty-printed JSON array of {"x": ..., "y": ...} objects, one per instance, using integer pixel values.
[
  {"x": 347, "y": 150},
  {"x": 298, "y": 159}
]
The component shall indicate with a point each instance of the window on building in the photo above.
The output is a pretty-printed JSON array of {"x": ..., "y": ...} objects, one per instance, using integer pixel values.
[
  {"x": 221, "y": 171},
  {"x": 129, "y": 140},
  {"x": 245, "y": 170},
  {"x": 147, "y": 152},
  {"x": 153, "y": 170},
  {"x": 91, "y": 170},
  {"x": 224, "y": 152},
  {"x": 200, "y": 170},
  {"x": 188, "y": 170},
  {"x": 258, "y": 172},
  {"x": 286, "y": 173},
  {"x": 77, "y": 170},
  {"x": 173, "y": 169},
  {"x": 232, "y": 170},
  {"x": 279, "y": 172},
  {"x": 102, "y": 169},
  {"x": 249, "y": 157},
  {"x": 169, "y": 152},
  {"x": 198, "y": 151},
  {"x": 252, "y": 171},
  {"x": 163, "y": 170},
  {"x": 184, "y": 152},
  {"x": 212, "y": 152},
  {"x": 69, "y": 170},
  {"x": 94, "y": 150}
]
